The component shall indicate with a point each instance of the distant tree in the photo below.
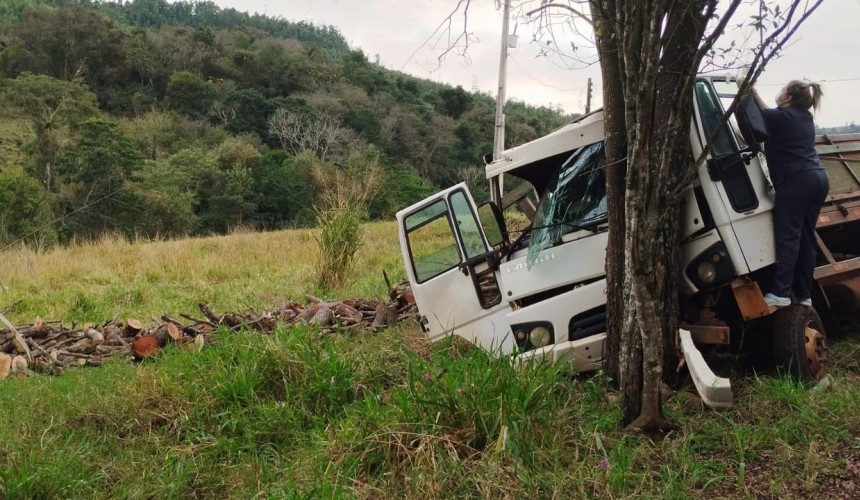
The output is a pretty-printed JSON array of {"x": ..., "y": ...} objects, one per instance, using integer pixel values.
[
  {"x": 454, "y": 102},
  {"x": 94, "y": 172},
  {"x": 284, "y": 190},
  {"x": 25, "y": 212},
  {"x": 47, "y": 104},
  {"x": 72, "y": 43},
  {"x": 188, "y": 93},
  {"x": 321, "y": 135},
  {"x": 252, "y": 112}
]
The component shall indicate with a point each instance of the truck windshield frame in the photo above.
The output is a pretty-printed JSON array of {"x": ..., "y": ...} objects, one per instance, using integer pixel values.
[{"x": 574, "y": 199}]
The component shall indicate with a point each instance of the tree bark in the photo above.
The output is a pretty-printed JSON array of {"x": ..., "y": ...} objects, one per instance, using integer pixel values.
[
  {"x": 624, "y": 363},
  {"x": 649, "y": 49}
]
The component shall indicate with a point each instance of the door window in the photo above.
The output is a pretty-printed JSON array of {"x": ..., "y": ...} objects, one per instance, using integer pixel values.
[
  {"x": 468, "y": 225},
  {"x": 727, "y": 166},
  {"x": 431, "y": 240}
]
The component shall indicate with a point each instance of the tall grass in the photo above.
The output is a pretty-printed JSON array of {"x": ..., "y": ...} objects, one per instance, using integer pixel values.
[
  {"x": 114, "y": 277},
  {"x": 346, "y": 192},
  {"x": 301, "y": 414}
]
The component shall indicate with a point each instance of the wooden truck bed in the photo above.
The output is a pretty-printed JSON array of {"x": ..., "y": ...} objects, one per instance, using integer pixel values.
[{"x": 838, "y": 224}]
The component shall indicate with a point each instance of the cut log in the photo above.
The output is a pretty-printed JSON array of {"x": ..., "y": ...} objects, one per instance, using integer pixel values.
[
  {"x": 174, "y": 332},
  {"x": 5, "y": 365},
  {"x": 113, "y": 339},
  {"x": 348, "y": 314},
  {"x": 161, "y": 337},
  {"x": 132, "y": 327},
  {"x": 17, "y": 341},
  {"x": 386, "y": 315},
  {"x": 144, "y": 346},
  {"x": 19, "y": 364},
  {"x": 95, "y": 336},
  {"x": 323, "y": 316}
]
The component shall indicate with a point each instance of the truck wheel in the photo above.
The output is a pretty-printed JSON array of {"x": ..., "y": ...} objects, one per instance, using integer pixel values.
[{"x": 800, "y": 343}]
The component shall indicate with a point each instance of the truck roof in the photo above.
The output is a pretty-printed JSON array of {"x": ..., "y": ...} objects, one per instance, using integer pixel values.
[{"x": 585, "y": 130}]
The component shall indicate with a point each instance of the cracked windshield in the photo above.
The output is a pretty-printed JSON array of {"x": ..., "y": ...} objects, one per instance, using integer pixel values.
[{"x": 575, "y": 199}]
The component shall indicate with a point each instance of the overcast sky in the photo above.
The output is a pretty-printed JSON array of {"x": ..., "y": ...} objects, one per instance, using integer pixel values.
[{"x": 400, "y": 33}]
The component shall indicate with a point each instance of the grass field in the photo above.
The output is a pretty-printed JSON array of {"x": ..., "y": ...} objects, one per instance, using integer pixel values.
[
  {"x": 298, "y": 414},
  {"x": 115, "y": 278}
]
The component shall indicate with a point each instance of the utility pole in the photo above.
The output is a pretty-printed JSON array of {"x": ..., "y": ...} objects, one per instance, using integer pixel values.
[
  {"x": 588, "y": 98},
  {"x": 499, "y": 136}
]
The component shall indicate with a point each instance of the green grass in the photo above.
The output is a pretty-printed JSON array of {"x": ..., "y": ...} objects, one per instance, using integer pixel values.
[
  {"x": 115, "y": 278},
  {"x": 300, "y": 414}
]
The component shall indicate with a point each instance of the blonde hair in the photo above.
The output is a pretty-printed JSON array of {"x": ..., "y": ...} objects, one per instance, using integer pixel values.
[{"x": 804, "y": 94}]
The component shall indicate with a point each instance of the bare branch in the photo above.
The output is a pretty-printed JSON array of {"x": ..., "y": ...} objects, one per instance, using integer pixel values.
[{"x": 562, "y": 6}]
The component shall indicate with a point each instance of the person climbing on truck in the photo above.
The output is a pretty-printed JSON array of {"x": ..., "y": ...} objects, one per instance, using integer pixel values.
[{"x": 801, "y": 186}]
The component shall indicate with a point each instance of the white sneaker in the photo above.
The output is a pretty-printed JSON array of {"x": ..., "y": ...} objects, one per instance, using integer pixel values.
[
  {"x": 805, "y": 302},
  {"x": 776, "y": 302}
]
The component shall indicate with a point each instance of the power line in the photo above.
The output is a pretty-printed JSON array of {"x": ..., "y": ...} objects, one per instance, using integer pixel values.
[
  {"x": 58, "y": 219},
  {"x": 836, "y": 80},
  {"x": 579, "y": 89}
]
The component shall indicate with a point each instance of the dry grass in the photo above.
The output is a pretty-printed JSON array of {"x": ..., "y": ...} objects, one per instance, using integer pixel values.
[{"x": 115, "y": 277}]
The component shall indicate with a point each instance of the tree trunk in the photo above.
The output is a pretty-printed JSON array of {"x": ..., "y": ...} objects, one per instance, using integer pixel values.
[
  {"x": 647, "y": 73},
  {"x": 616, "y": 166}
]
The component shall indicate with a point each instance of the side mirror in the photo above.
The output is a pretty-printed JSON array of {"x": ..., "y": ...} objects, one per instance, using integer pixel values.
[
  {"x": 751, "y": 123},
  {"x": 493, "y": 223}
]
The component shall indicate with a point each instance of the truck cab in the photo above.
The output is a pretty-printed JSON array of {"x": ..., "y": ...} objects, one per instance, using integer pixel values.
[{"x": 542, "y": 293}]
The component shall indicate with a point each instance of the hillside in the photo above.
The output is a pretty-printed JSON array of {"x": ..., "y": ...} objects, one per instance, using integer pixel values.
[{"x": 150, "y": 118}]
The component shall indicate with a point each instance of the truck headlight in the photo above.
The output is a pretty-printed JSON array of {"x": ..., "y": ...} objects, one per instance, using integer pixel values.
[
  {"x": 707, "y": 272},
  {"x": 540, "y": 337},
  {"x": 533, "y": 335},
  {"x": 710, "y": 268}
]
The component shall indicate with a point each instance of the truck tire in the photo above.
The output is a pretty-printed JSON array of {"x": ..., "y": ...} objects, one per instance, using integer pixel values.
[{"x": 800, "y": 343}]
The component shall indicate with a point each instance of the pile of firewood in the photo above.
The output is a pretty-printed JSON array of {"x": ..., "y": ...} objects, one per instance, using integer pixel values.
[{"x": 49, "y": 347}]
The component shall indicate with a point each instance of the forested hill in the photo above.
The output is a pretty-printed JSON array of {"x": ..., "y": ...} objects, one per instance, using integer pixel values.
[{"x": 159, "y": 118}]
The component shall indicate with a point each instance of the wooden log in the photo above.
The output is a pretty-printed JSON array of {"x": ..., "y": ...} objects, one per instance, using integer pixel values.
[
  {"x": 17, "y": 341},
  {"x": 111, "y": 330},
  {"x": 323, "y": 317},
  {"x": 386, "y": 315},
  {"x": 19, "y": 364},
  {"x": 132, "y": 327},
  {"x": 144, "y": 346},
  {"x": 114, "y": 339},
  {"x": 173, "y": 332},
  {"x": 347, "y": 313},
  {"x": 82, "y": 346},
  {"x": 96, "y": 338},
  {"x": 204, "y": 308},
  {"x": 5, "y": 365},
  {"x": 107, "y": 350},
  {"x": 161, "y": 337}
]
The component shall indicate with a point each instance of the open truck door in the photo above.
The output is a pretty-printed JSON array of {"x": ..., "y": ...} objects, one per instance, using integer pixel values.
[{"x": 453, "y": 267}]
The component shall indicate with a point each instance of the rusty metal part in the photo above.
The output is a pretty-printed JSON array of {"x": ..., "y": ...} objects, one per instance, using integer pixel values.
[
  {"x": 844, "y": 295},
  {"x": 816, "y": 351},
  {"x": 749, "y": 298},
  {"x": 708, "y": 329},
  {"x": 707, "y": 334}
]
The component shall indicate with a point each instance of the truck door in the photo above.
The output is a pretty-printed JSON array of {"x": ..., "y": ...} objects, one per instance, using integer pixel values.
[
  {"x": 736, "y": 191},
  {"x": 453, "y": 270}
]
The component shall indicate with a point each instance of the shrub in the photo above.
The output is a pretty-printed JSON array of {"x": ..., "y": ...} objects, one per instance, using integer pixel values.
[{"x": 346, "y": 193}]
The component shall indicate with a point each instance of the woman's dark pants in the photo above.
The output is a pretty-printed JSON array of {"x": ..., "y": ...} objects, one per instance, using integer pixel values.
[{"x": 795, "y": 212}]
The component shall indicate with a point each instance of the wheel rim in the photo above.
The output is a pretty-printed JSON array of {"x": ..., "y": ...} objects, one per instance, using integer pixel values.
[{"x": 816, "y": 350}]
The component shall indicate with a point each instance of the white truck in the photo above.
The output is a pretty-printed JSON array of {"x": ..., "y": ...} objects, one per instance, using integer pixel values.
[{"x": 544, "y": 294}]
